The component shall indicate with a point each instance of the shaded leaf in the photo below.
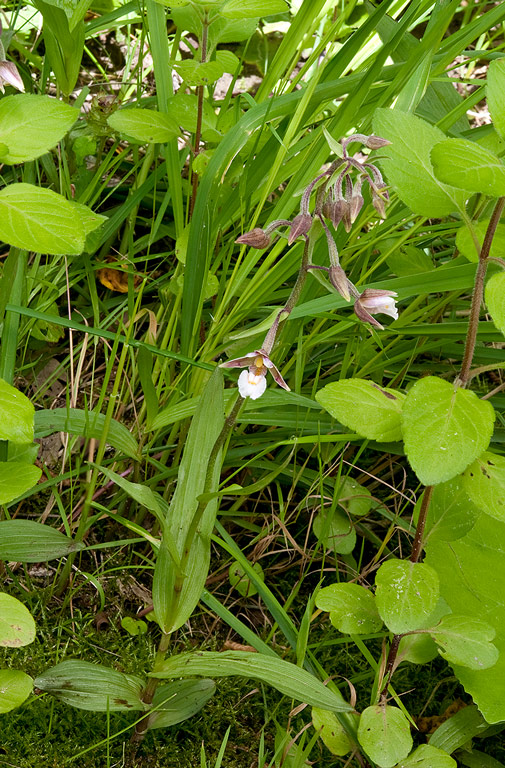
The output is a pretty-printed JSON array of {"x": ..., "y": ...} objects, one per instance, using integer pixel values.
[
  {"x": 335, "y": 531},
  {"x": 495, "y": 299},
  {"x": 495, "y": 89},
  {"x": 181, "y": 700},
  {"x": 426, "y": 756}
]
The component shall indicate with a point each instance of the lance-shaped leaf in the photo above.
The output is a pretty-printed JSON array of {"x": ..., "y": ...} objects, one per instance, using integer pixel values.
[
  {"x": 40, "y": 220},
  {"x": 369, "y": 409},
  {"x": 495, "y": 90},
  {"x": 352, "y": 608},
  {"x": 406, "y": 594},
  {"x": 407, "y": 163},
  {"x": 179, "y": 701},
  {"x": 484, "y": 482},
  {"x": 16, "y": 414},
  {"x": 495, "y": 299},
  {"x": 15, "y": 687},
  {"x": 466, "y": 641},
  {"x": 285, "y": 677},
  {"x": 445, "y": 428},
  {"x": 469, "y": 166},
  {"x": 17, "y": 626},
  {"x": 92, "y": 687},
  {"x": 26, "y": 541},
  {"x": 384, "y": 734}
]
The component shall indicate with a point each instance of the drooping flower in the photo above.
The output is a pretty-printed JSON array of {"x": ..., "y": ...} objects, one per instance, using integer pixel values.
[
  {"x": 252, "y": 383},
  {"x": 9, "y": 75},
  {"x": 373, "y": 302}
]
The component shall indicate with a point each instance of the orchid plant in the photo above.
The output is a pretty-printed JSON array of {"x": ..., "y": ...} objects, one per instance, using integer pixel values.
[{"x": 338, "y": 201}]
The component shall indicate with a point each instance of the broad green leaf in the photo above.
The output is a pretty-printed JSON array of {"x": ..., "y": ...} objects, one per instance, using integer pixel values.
[
  {"x": 407, "y": 260},
  {"x": 478, "y": 759},
  {"x": 144, "y": 125},
  {"x": 467, "y": 165},
  {"x": 40, "y": 220},
  {"x": 183, "y": 107},
  {"x": 466, "y": 641},
  {"x": 406, "y": 594},
  {"x": 231, "y": 31},
  {"x": 24, "y": 452},
  {"x": 16, "y": 414},
  {"x": 445, "y": 428},
  {"x": 495, "y": 299},
  {"x": 466, "y": 244},
  {"x": 32, "y": 125},
  {"x": 484, "y": 482},
  {"x": 367, "y": 408},
  {"x": 88, "y": 424},
  {"x": 472, "y": 574},
  {"x": 134, "y": 627},
  {"x": 15, "y": 687},
  {"x": 197, "y": 73},
  {"x": 92, "y": 687},
  {"x": 26, "y": 541},
  {"x": 495, "y": 90},
  {"x": 408, "y": 166},
  {"x": 180, "y": 700},
  {"x": 16, "y": 477},
  {"x": 459, "y": 729},
  {"x": 241, "y": 581},
  {"x": 245, "y": 9},
  {"x": 331, "y": 732},
  {"x": 285, "y": 677},
  {"x": 427, "y": 756},
  {"x": 89, "y": 219},
  {"x": 418, "y": 649},
  {"x": 172, "y": 605},
  {"x": 354, "y": 498},
  {"x": 352, "y": 608},
  {"x": 17, "y": 626},
  {"x": 451, "y": 514},
  {"x": 384, "y": 734},
  {"x": 335, "y": 531}
]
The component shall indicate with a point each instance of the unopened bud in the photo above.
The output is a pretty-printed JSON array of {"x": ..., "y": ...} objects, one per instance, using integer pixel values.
[
  {"x": 327, "y": 210},
  {"x": 256, "y": 238},
  {"x": 375, "y": 142},
  {"x": 300, "y": 226},
  {"x": 339, "y": 210},
  {"x": 338, "y": 279},
  {"x": 355, "y": 201}
]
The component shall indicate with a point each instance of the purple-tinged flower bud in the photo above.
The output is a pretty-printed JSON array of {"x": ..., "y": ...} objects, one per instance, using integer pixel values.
[
  {"x": 356, "y": 201},
  {"x": 374, "y": 301},
  {"x": 338, "y": 279},
  {"x": 375, "y": 142},
  {"x": 256, "y": 238},
  {"x": 300, "y": 226},
  {"x": 379, "y": 205},
  {"x": 339, "y": 210},
  {"x": 327, "y": 209},
  {"x": 9, "y": 75}
]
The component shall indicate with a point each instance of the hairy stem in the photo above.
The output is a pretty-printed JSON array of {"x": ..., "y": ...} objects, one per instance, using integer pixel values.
[{"x": 199, "y": 118}]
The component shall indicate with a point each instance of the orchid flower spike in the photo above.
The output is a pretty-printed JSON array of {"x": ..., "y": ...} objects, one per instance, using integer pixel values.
[
  {"x": 374, "y": 301},
  {"x": 252, "y": 383}
]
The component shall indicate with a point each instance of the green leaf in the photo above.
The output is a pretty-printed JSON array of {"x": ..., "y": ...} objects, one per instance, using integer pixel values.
[
  {"x": 466, "y": 244},
  {"x": 285, "y": 677},
  {"x": 408, "y": 166},
  {"x": 335, "y": 531},
  {"x": 495, "y": 299},
  {"x": 16, "y": 414},
  {"x": 466, "y": 641},
  {"x": 173, "y": 603},
  {"x": 15, "y": 687},
  {"x": 472, "y": 574},
  {"x": 134, "y": 627},
  {"x": 495, "y": 90},
  {"x": 331, "y": 732},
  {"x": 92, "y": 687},
  {"x": 484, "y": 482},
  {"x": 17, "y": 626},
  {"x": 451, "y": 514},
  {"x": 445, "y": 428},
  {"x": 241, "y": 581},
  {"x": 39, "y": 220},
  {"x": 459, "y": 729},
  {"x": 88, "y": 424},
  {"x": 384, "y": 734},
  {"x": 32, "y": 125},
  {"x": 427, "y": 756},
  {"x": 406, "y": 594},
  {"x": 144, "y": 125},
  {"x": 16, "y": 477},
  {"x": 418, "y": 649},
  {"x": 367, "y": 408},
  {"x": 180, "y": 700},
  {"x": 354, "y": 498},
  {"x": 467, "y": 165},
  {"x": 74, "y": 10},
  {"x": 26, "y": 541},
  {"x": 352, "y": 608},
  {"x": 245, "y": 9},
  {"x": 197, "y": 73}
]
